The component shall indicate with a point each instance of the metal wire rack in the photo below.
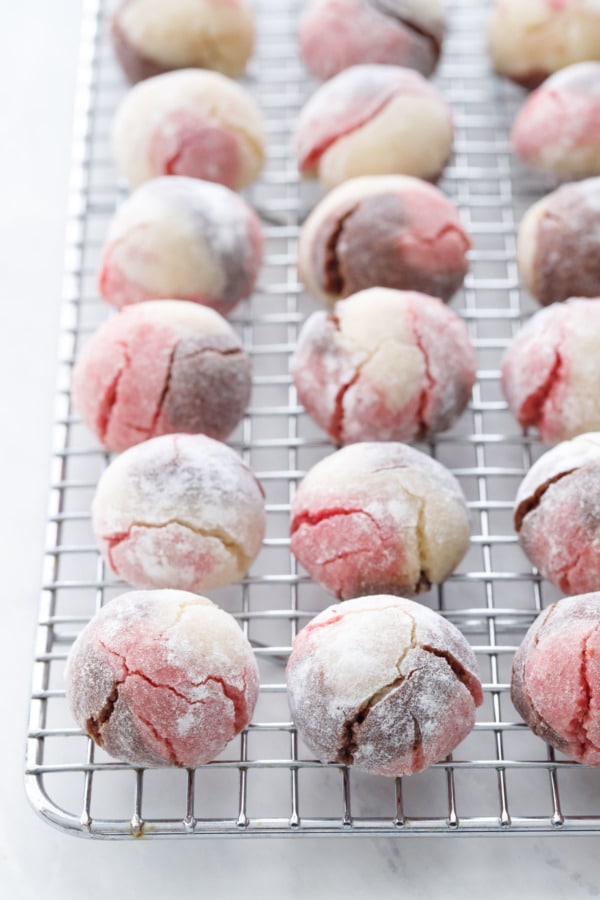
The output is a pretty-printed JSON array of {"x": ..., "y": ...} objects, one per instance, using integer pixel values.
[{"x": 501, "y": 778}]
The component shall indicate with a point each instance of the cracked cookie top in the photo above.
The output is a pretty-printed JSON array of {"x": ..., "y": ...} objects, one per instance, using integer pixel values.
[
  {"x": 180, "y": 511},
  {"x": 162, "y": 678},
  {"x": 379, "y": 518},
  {"x": 556, "y": 677},
  {"x": 382, "y": 683}
]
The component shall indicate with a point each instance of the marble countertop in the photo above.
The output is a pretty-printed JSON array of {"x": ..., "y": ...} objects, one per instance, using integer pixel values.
[{"x": 38, "y": 62}]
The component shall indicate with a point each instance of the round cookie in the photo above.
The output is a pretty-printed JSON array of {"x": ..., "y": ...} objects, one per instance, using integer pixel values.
[
  {"x": 184, "y": 238},
  {"x": 556, "y": 677},
  {"x": 189, "y": 122},
  {"x": 557, "y": 130},
  {"x": 551, "y": 370},
  {"x": 556, "y": 515},
  {"x": 389, "y": 231},
  {"x": 528, "y": 40},
  {"x": 151, "y": 37},
  {"x": 378, "y": 518},
  {"x": 162, "y": 367},
  {"x": 180, "y": 511},
  {"x": 383, "y": 684},
  {"x": 337, "y": 34},
  {"x": 162, "y": 678},
  {"x": 559, "y": 243},
  {"x": 374, "y": 120},
  {"x": 384, "y": 366}
]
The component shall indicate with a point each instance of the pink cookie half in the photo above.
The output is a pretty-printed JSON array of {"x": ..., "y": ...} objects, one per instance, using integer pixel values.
[
  {"x": 389, "y": 231},
  {"x": 378, "y": 518},
  {"x": 551, "y": 370},
  {"x": 162, "y": 678},
  {"x": 556, "y": 677},
  {"x": 557, "y": 129},
  {"x": 189, "y": 122},
  {"x": 179, "y": 511},
  {"x": 384, "y": 366},
  {"x": 337, "y": 34},
  {"x": 374, "y": 120},
  {"x": 183, "y": 238},
  {"x": 556, "y": 515},
  {"x": 383, "y": 684},
  {"x": 162, "y": 367}
]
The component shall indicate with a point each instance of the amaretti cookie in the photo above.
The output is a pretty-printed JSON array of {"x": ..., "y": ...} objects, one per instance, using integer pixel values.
[
  {"x": 162, "y": 367},
  {"x": 557, "y": 130},
  {"x": 551, "y": 370},
  {"x": 557, "y": 515},
  {"x": 530, "y": 39},
  {"x": 189, "y": 122},
  {"x": 387, "y": 231},
  {"x": 162, "y": 678},
  {"x": 179, "y": 511},
  {"x": 337, "y": 34},
  {"x": 556, "y": 677},
  {"x": 379, "y": 518},
  {"x": 383, "y": 684},
  {"x": 151, "y": 37},
  {"x": 374, "y": 120},
  {"x": 384, "y": 365},
  {"x": 559, "y": 243},
  {"x": 182, "y": 238}
]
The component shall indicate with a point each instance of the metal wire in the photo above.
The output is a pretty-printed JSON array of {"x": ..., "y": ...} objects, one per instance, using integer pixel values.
[{"x": 501, "y": 778}]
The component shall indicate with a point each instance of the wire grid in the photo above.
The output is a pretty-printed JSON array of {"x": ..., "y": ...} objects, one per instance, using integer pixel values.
[{"x": 501, "y": 778}]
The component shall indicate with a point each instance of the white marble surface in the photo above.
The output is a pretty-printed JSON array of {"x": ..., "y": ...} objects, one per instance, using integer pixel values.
[{"x": 38, "y": 45}]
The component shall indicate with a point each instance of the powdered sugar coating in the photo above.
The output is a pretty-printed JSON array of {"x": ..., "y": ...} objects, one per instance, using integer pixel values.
[
  {"x": 180, "y": 511},
  {"x": 162, "y": 367},
  {"x": 337, "y": 34},
  {"x": 184, "y": 238},
  {"x": 378, "y": 517},
  {"x": 389, "y": 231},
  {"x": 383, "y": 684},
  {"x": 559, "y": 243},
  {"x": 162, "y": 678},
  {"x": 556, "y": 514},
  {"x": 556, "y": 677},
  {"x": 557, "y": 129},
  {"x": 384, "y": 366},
  {"x": 551, "y": 370},
  {"x": 374, "y": 120},
  {"x": 528, "y": 40},
  {"x": 151, "y": 36},
  {"x": 189, "y": 122}
]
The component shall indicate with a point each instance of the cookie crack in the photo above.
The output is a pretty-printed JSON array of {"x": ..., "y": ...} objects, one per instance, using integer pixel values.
[
  {"x": 532, "y": 408},
  {"x": 530, "y": 503},
  {"x": 389, "y": 12},
  {"x": 429, "y": 382},
  {"x": 333, "y": 279},
  {"x": 111, "y": 395},
  {"x": 94, "y": 725},
  {"x": 461, "y": 672},
  {"x": 115, "y": 540},
  {"x": 583, "y": 723}
]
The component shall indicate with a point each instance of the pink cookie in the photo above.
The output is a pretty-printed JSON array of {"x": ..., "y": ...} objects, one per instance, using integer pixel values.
[
  {"x": 161, "y": 367},
  {"x": 559, "y": 243},
  {"x": 551, "y": 370},
  {"x": 384, "y": 366},
  {"x": 383, "y": 684},
  {"x": 530, "y": 39},
  {"x": 337, "y": 34},
  {"x": 180, "y": 511},
  {"x": 151, "y": 36},
  {"x": 162, "y": 678},
  {"x": 556, "y": 514},
  {"x": 556, "y": 677},
  {"x": 558, "y": 128},
  {"x": 379, "y": 517},
  {"x": 374, "y": 120},
  {"x": 189, "y": 122},
  {"x": 383, "y": 231},
  {"x": 183, "y": 238}
]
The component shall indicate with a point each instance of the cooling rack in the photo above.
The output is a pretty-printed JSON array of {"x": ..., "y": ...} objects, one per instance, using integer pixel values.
[{"x": 501, "y": 779}]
